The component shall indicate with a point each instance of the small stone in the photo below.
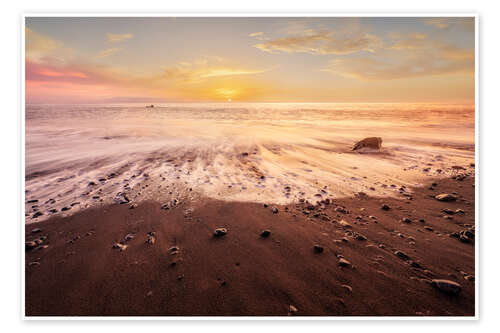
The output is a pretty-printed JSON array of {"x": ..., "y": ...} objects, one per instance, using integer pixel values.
[
  {"x": 385, "y": 207},
  {"x": 402, "y": 255},
  {"x": 30, "y": 245},
  {"x": 34, "y": 263},
  {"x": 219, "y": 232},
  {"x": 447, "y": 286},
  {"x": 265, "y": 233},
  {"x": 406, "y": 220},
  {"x": 274, "y": 210},
  {"x": 318, "y": 249},
  {"x": 36, "y": 230},
  {"x": 347, "y": 288},
  {"x": 120, "y": 246},
  {"x": 428, "y": 228},
  {"x": 360, "y": 237},
  {"x": 65, "y": 209},
  {"x": 344, "y": 263},
  {"x": 37, "y": 214},
  {"x": 445, "y": 197},
  {"x": 133, "y": 206},
  {"x": 150, "y": 240},
  {"x": 129, "y": 237},
  {"x": 469, "y": 278},
  {"x": 344, "y": 224},
  {"x": 292, "y": 309}
]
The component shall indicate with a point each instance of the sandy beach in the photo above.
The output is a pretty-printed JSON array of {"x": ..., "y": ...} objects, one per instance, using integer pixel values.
[{"x": 391, "y": 258}]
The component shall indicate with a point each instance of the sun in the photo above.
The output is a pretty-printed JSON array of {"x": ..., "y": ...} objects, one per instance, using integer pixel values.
[{"x": 229, "y": 100}]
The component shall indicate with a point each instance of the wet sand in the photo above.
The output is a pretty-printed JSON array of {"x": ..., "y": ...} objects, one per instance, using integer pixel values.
[{"x": 76, "y": 271}]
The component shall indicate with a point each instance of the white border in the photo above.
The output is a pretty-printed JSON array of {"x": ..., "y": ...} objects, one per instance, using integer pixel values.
[{"x": 267, "y": 13}]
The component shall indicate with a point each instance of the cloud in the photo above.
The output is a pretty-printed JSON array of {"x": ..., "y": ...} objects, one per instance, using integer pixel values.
[
  {"x": 466, "y": 23},
  {"x": 116, "y": 38},
  {"x": 392, "y": 64},
  {"x": 322, "y": 42},
  {"x": 107, "y": 52},
  {"x": 204, "y": 69}
]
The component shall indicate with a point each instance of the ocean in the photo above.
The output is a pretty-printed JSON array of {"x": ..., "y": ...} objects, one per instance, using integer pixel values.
[{"x": 80, "y": 156}]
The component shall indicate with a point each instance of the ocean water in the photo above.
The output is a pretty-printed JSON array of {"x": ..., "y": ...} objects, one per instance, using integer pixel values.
[{"x": 274, "y": 153}]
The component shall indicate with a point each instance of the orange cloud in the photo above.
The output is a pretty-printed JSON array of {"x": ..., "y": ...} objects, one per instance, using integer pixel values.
[
  {"x": 107, "y": 52},
  {"x": 204, "y": 69},
  {"x": 322, "y": 42},
  {"x": 116, "y": 38}
]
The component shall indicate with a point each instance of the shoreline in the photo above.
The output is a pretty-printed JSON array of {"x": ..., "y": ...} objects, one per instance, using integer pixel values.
[{"x": 75, "y": 271}]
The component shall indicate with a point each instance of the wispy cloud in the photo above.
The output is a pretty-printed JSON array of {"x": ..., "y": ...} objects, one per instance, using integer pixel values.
[
  {"x": 436, "y": 59},
  {"x": 107, "y": 52},
  {"x": 322, "y": 42},
  {"x": 255, "y": 34},
  {"x": 116, "y": 38},
  {"x": 466, "y": 23},
  {"x": 204, "y": 69}
]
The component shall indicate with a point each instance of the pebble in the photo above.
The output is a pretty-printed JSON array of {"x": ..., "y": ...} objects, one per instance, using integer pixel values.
[
  {"x": 266, "y": 233},
  {"x": 30, "y": 245},
  {"x": 219, "y": 232},
  {"x": 447, "y": 286},
  {"x": 120, "y": 246},
  {"x": 318, "y": 248},
  {"x": 129, "y": 237},
  {"x": 445, "y": 197},
  {"x": 150, "y": 240},
  {"x": 344, "y": 263},
  {"x": 406, "y": 220},
  {"x": 36, "y": 230},
  {"x": 401, "y": 255},
  {"x": 292, "y": 309},
  {"x": 347, "y": 288},
  {"x": 385, "y": 207},
  {"x": 360, "y": 237},
  {"x": 274, "y": 210}
]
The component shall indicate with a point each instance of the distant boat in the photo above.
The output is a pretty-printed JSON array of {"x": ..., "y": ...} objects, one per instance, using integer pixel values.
[{"x": 150, "y": 106}]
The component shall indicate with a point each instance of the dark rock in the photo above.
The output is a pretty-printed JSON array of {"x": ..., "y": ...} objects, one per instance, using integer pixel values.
[
  {"x": 360, "y": 237},
  {"x": 274, "y": 210},
  {"x": 371, "y": 143},
  {"x": 406, "y": 220},
  {"x": 318, "y": 249},
  {"x": 150, "y": 240},
  {"x": 37, "y": 214},
  {"x": 385, "y": 207},
  {"x": 265, "y": 233},
  {"x": 32, "y": 201},
  {"x": 447, "y": 286},
  {"x": 341, "y": 210},
  {"x": 219, "y": 232},
  {"x": 402, "y": 255},
  {"x": 36, "y": 230},
  {"x": 65, "y": 209},
  {"x": 28, "y": 246},
  {"x": 344, "y": 263}
]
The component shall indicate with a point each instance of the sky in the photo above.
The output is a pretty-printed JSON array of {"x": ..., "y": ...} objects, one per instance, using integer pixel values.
[{"x": 223, "y": 59}]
